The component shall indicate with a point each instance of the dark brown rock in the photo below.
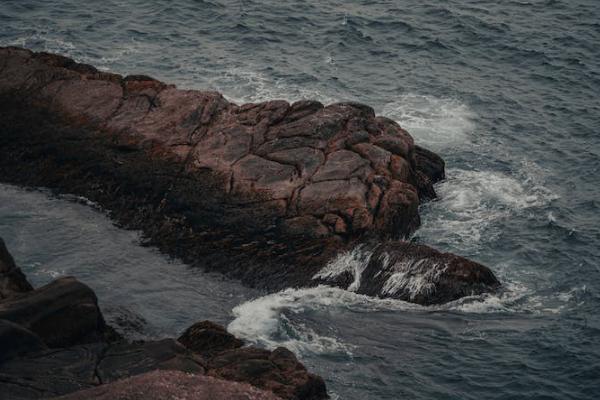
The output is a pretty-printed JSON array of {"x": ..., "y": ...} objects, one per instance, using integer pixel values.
[
  {"x": 12, "y": 280},
  {"x": 62, "y": 313},
  {"x": 409, "y": 272},
  {"x": 207, "y": 339},
  {"x": 430, "y": 164},
  {"x": 163, "y": 385},
  {"x": 278, "y": 371}
]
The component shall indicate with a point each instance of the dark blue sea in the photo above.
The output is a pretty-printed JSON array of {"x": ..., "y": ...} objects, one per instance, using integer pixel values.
[{"x": 508, "y": 92}]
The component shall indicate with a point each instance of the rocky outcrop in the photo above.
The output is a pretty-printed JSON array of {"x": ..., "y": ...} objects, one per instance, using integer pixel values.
[
  {"x": 409, "y": 272},
  {"x": 162, "y": 385},
  {"x": 12, "y": 280},
  {"x": 278, "y": 371},
  {"x": 267, "y": 193},
  {"x": 53, "y": 341}
]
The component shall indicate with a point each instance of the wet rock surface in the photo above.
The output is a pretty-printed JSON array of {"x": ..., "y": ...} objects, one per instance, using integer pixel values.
[
  {"x": 53, "y": 342},
  {"x": 409, "y": 272}
]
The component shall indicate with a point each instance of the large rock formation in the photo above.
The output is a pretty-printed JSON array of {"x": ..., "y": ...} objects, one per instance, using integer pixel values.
[
  {"x": 53, "y": 341},
  {"x": 267, "y": 192}
]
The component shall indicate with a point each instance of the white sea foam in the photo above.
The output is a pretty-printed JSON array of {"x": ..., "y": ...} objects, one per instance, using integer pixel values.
[
  {"x": 433, "y": 122},
  {"x": 353, "y": 261},
  {"x": 413, "y": 277},
  {"x": 267, "y": 320},
  {"x": 276, "y": 319},
  {"x": 471, "y": 203},
  {"x": 247, "y": 85}
]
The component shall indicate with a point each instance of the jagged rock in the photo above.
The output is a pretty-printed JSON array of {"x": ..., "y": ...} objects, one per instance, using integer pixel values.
[
  {"x": 278, "y": 371},
  {"x": 409, "y": 272},
  {"x": 162, "y": 385},
  {"x": 208, "y": 339},
  {"x": 12, "y": 280},
  {"x": 64, "y": 312}
]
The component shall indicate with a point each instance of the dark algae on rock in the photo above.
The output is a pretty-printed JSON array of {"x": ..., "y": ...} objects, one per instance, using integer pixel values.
[{"x": 268, "y": 193}]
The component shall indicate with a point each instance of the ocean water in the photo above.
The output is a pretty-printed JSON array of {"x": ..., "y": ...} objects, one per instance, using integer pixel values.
[{"x": 507, "y": 92}]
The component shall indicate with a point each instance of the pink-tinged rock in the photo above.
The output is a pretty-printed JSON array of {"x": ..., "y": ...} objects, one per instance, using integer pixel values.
[
  {"x": 254, "y": 176},
  {"x": 377, "y": 156},
  {"x": 162, "y": 385},
  {"x": 342, "y": 165},
  {"x": 306, "y": 159},
  {"x": 332, "y": 196}
]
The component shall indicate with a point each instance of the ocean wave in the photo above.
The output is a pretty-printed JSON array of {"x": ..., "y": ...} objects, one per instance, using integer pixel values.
[{"x": 280, "y": 319}]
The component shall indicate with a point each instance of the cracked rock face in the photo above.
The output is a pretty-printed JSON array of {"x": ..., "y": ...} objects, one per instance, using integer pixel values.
[{"x": 303, "y": 159}]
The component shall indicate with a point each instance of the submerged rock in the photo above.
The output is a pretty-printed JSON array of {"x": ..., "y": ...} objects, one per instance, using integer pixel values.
[
  {"x": 267, "y": 192},
  {"x": 409, "y": 272}
]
